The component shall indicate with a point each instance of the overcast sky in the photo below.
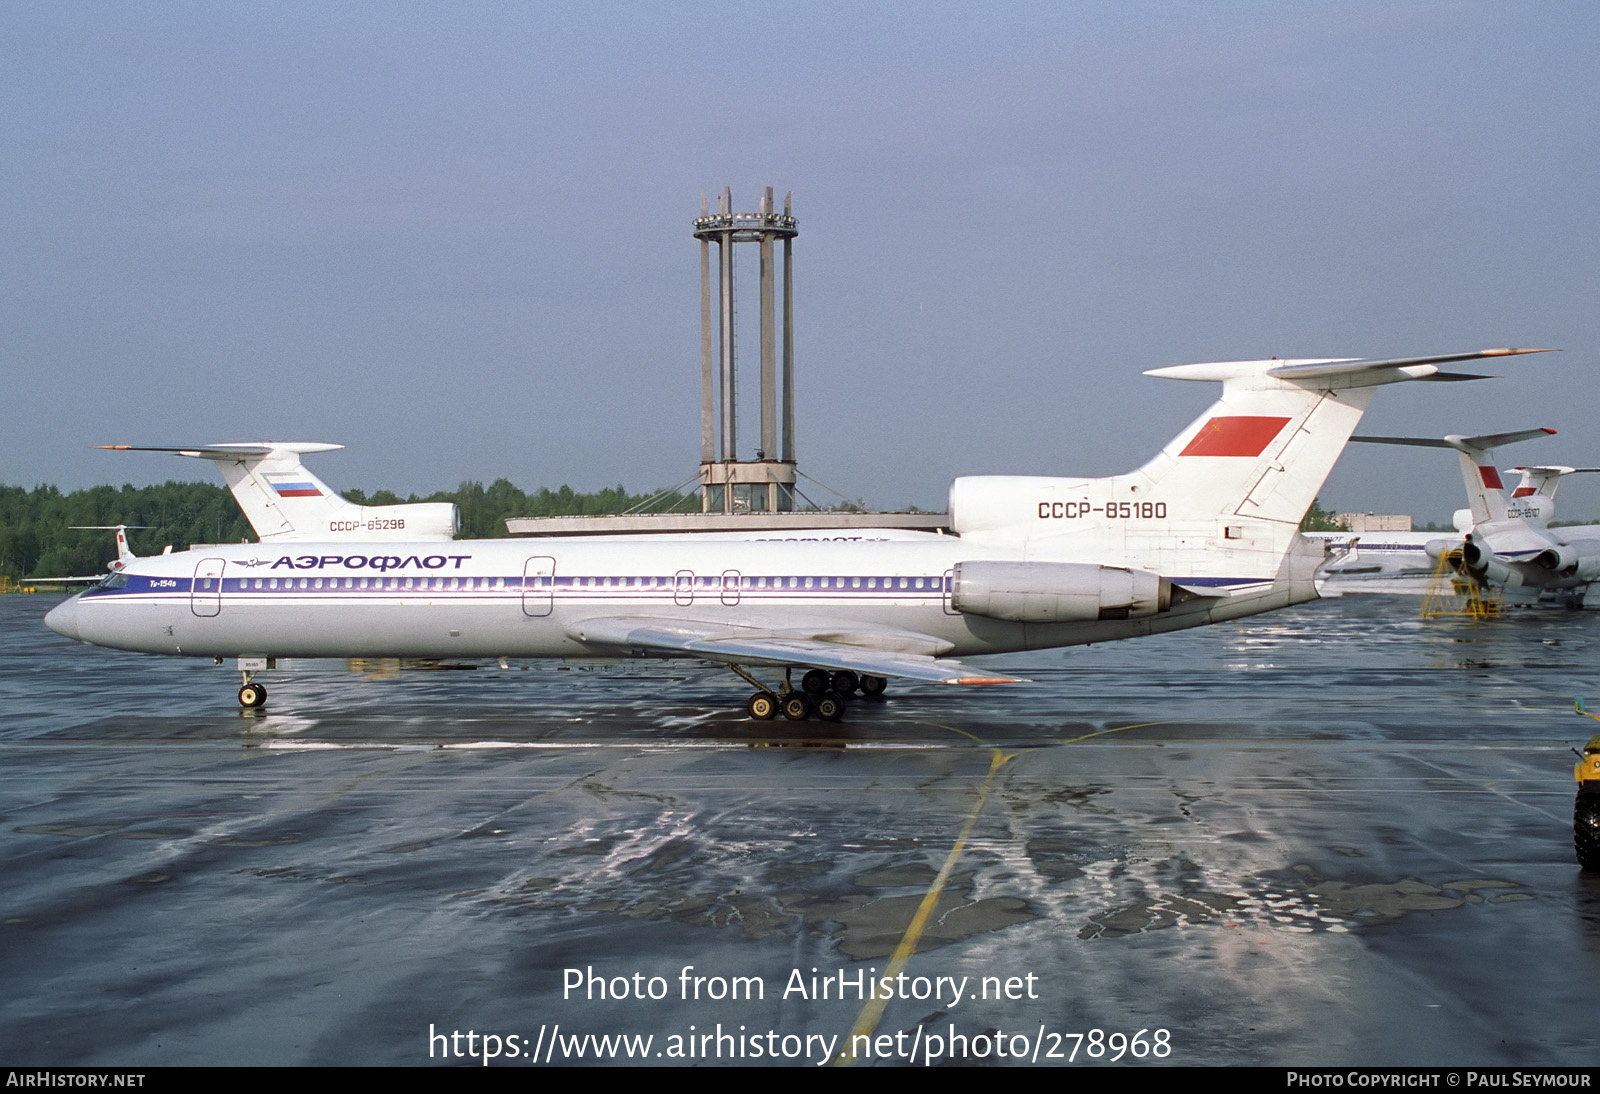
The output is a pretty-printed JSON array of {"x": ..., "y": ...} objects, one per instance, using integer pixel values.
[{"x": 456, "y": 236}]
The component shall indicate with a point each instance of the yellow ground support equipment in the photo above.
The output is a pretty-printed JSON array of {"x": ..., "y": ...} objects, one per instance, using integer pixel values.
[
  {"x": 1586, "y": 809},
  {"x": 1453, "y": 592}
]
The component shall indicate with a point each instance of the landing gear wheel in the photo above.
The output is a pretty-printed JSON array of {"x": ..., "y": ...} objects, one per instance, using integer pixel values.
[
  {"x": 830, "y": 706},
  {"x": 796, "y": 706},
  {"x": 252, "y": 696},
  {"x": 845, "y": 682},
  {"x": 873, "y": 685},
  {"x": 814, "y": 682},
  {"x": 763, "y": 706},
  {"x": 1586, "y": 830}
]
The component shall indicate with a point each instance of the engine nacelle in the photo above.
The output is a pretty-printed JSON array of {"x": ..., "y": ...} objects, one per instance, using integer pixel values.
[
  {"x": 1486, "y": 566},
  {"x": 1579, "y": 562},
  {"x": 1438, "y": 548},
  {"x": 1557, "y": 558},
  {"x": 1056, "y": 592}
]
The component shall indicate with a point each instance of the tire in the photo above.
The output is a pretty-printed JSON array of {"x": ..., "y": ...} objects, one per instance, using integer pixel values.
[
  {"x": 252, "y": 696},
  {"x": 873, "y": 685},
  {"x": 845, "y": 682},
  {"x": 1586, "y": 830},
  {"x": 763, "y": 706},
  {"x": 830, "y": 706},
  {"x": 796, "y": 706},
  {"x": 814, "y": 682}
]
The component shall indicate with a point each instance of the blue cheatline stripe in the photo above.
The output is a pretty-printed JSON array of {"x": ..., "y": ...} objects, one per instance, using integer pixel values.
[
  {"x": 1219, "y": 582},
  {"x": 592, "y": 587},
  {"x": 589, "y": 586}
]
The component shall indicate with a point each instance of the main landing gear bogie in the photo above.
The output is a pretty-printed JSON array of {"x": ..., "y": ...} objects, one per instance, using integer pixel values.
[
  {"x": 844, "y": 682},
  {"x": 830, "y": 706},
  {"x": 796, "y": 706},
  {"x": 821, "y": 693}
]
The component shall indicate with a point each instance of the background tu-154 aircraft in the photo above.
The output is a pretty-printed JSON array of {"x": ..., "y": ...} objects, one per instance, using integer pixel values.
[
  {"x": 1508, "y": 542},
  {"x": 1205, "y": 531},
  {"x": 124, "y": 554},
  {"x": 283, "y": 501}
]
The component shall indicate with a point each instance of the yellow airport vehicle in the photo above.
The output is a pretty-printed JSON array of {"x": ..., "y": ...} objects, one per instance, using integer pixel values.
[{"x": 1586, "y": 808}]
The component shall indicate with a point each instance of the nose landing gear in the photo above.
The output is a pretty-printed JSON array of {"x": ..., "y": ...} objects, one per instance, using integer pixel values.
[{"x": 251, "y": 694}]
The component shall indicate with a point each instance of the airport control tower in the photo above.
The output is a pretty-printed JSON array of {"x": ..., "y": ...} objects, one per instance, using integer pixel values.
[
  {"x": 766, "y": 483},
  {"x": 758, "y": 493}
]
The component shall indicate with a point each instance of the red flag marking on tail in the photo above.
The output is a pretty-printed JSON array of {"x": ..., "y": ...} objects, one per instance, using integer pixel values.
[{"x": 1236, "y": 435}]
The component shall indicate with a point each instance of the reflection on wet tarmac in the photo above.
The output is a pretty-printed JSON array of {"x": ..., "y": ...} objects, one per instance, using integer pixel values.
[{"x": 1332, "y": 836}]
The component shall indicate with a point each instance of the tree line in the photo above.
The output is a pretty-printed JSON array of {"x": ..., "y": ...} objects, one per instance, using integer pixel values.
[{"x": 38, "y": 537}]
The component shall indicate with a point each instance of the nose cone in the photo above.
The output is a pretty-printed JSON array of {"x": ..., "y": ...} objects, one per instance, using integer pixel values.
[{"x": 63, "y": 619}]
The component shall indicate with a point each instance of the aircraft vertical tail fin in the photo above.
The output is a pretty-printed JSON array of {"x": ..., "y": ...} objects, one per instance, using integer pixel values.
[
  {"x": 1544, "y": 479},
  {"x": 1487, "y": 495},
  {"x": 283, "y": 500},
  {"x": 1227, "y": 492},
  {"x": 125, "y": 553}
]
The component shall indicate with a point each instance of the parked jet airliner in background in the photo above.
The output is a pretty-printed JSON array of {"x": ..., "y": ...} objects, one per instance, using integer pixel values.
[
  {"x": 1205, "y": 531},
  {"x": 1508, "y": 543},
  {"x": 1385, "y": 562},
  {"x": 283, "y": 501}
]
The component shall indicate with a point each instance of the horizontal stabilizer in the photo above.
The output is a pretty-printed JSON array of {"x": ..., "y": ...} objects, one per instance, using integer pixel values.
[
  {"x": 1335, "y": 371},
  {"x": 230, "y": 451},
  {"x": 1297, "y": 370},
  {"x": 1463, "y": 444},
  {"x": 1556, "y": 469}
]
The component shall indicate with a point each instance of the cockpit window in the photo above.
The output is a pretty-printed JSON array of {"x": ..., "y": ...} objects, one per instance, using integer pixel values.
[{"x": 115, "y": 580}]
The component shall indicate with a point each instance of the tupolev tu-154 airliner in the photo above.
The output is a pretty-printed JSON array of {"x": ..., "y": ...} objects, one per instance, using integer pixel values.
[
  {"x": 1207, "y": 530},
  {"x": 1508, "y": 543}
]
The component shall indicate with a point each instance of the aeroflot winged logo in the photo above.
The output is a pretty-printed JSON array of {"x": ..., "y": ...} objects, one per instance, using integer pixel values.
[
  {"x": 357, "y": 562},
  {"x": 1238, "y": 435}
]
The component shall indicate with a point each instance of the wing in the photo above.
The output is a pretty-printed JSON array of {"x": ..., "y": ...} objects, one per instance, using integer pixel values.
[{"x": 879, "y": 651}]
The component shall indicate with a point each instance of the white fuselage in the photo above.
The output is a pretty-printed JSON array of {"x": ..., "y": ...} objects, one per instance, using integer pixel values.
[
  {"x": 530, "y": 598},
  {"x": 1205, "y": 530}
]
